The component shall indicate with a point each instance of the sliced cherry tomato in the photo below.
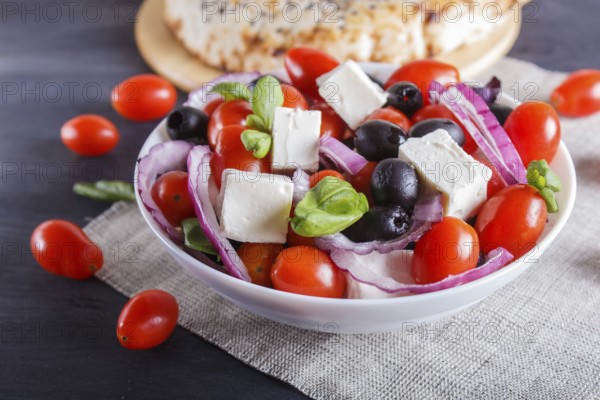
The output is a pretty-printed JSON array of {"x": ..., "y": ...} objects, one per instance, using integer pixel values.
[
  {"x": 309, "y": 271},
  {"x": 170, "y": 193},
  {"x": 89, "y": 135},
  {"x": 514, "y": 218},
  {"x": 317, "y": 177},
  {"x": 495, "y": 181},
  {"x": 579, "y": 94},
  {"x": 293, "y": 98},
  {"x": 450, "y": 247},
  {"x": 331, "y": 123},
  {"x": 440, "y": 111},
  {"x": 304, "y": 65},
  {"x": 231, "y": 153},
  {"x": 392, "y": 115},
  {"x": 233, "y": 112},
  {"x": 212, "y": 105},
  {"x": 259, "y": 258},
  {"x": 422, "y": 73},
  {"x": 144, "y": 97},
  {"x": 361, "y": 181},
  {"x": 147, "y": 320},
  {"x": 534, "y": 129},
  {"x": 62, "y": 248}
]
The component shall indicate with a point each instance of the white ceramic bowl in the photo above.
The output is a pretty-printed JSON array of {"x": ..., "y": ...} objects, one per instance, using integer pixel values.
[{"x": 368, "y": 316}]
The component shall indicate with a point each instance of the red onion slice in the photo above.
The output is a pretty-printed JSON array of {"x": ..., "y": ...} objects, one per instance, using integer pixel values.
[
  {"x": 336, "y": 155},
  {"x": 198, "y": 163},
  {"x": 301, "y": 185},
  {"x": 199, "y": 97},
  {"x": 162, "y": 158}
]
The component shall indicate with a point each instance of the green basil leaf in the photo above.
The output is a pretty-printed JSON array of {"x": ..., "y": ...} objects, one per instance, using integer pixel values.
[
  {"x": 257, "y": 142},
  {"x": 267, "y": 96},
  {"x": 328, "y": 208},
  {"x": 106, "y": 190},
  {"x": 232, "y": 91},
  {"x": 195, "y": 238},
  {"x": 255, "y": 122}
]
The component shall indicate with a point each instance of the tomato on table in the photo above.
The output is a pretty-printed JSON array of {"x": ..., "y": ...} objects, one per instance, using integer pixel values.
[
  {"x": 514, "y": 218},
  {"x": 258, "y": 259},
  {"x": 450, "y": 247},
  {"x": 317, "y": 177},
  {"x": 89, "y": 135},
  {"x": 361, "y": 181},
  {"x": 62, "y": 248},
  {"x": 534, "y": 129},
  {"x": 579, "y": 94},
  {"x": 392, "y": 115},
  {"x": 309, "y": 271},
  {"x": 144, "y": 97},
  {"x": 304, "y": 65},
  {"x": 170, "y": 193},
  {"x": 233, "y": 112},
  {"x": 441, "y": 111},
  {"x": 331, "y": 123},
  {"x": 293, "y": 98},
  {"x": 147, "y": 320}
]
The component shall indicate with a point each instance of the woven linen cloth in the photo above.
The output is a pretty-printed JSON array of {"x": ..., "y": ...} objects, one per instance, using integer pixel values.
[{"x": 537, "y": 338}]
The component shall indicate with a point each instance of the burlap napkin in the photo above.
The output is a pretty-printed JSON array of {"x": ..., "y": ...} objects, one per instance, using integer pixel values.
[{"x": 538, "y": 338}]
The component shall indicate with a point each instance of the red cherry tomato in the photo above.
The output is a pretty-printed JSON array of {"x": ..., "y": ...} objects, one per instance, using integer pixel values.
[
  {"x": 495, "y": 182},
  {"x": 231, "y": 153},
  {"x": 331, "y": 123},
  {"x": 579, "y": 94},
  {"x": 361, "y": 181},
  {"x": 534, "y": 129},
  {"x": 293, "y": 239},
  {"x": 232, "y": 112},
  {"x": 449, "y": 248},
  {"x": 440, "y": 111},
  {"x": 62, "y": 248},
  {"x": 147, "y": 320},
  {"x": 309, "y": 271},
  {"x": 317, "y": 177},
  {"x": 392, "y": 115},
  {"x": 211, "y": 106},
  {"x": 292, "y": 98},
  {"x": 514, "y": 218},
  {"x": 259, "y": 258},
  {"x": 89, "y": 135},
  {"x": 422, "y": 73},
  {"x": 304, "y": 65},
  {"x": 170, "y": 193},
  {"x": 144, "y": 97}
]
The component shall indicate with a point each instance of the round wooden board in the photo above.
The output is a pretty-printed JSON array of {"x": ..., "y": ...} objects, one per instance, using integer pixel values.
[{"x": 163, "y": 52}]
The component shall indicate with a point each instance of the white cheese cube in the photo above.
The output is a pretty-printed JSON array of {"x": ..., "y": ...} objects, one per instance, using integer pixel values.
[
  {"x": 351, "y": 93},
  {"x": 295, "y": 140},
  {"x": 255, "y": 207},
  {"x": 443, "y": 165}
]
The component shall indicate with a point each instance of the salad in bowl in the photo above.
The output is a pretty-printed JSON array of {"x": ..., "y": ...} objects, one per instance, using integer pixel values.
[{"x": 354, "y": 196}]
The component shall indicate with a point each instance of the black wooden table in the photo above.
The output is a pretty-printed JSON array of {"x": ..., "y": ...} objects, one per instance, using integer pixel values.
[{"x": 58, "y": 60}]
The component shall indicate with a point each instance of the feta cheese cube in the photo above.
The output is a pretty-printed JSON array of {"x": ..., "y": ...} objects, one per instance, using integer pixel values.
[
  {"x": 295, "y": 140},
  {"x": 255, "y": 207},
  {"x": 443, "y": 165},
  {"x": 351, "y": 93}
]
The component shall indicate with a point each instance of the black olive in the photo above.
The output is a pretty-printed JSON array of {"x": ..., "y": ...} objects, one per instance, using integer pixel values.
[
  {"x": 395, "y": 182},
  {"x": 377, "y": 140},
  {"x": 501, "y": 112},
  {"x": 424, "y": 127},
  {"x": 406, "y": 97},
  {"x": 185, "y": 123},
  {"x": 379, "y": 223}
]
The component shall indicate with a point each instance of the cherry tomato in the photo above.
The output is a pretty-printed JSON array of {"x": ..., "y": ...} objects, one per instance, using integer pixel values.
[
  {"x": 304, "y": 65},
  {"x": 258, "y": 258},
  {"x": 292, "y": 98},
  {"x": 495, "y": 182},
  {"x": 315, "y": 178},
  {"x": 231, "y": 153},
  {"x": 534, "y": 129},
  {"x": 361, "y": 181},
  {"x": 147, "y": 320},
  {"x": 422, "y": 73},
  {"x": 62, "y": 248},
  {"x": 89, "y": 135},
  {"x": 293, "y": 239},
  {"x": 440, "y": 111},
  {"x": 331, "y": 123},
  {"x": 579, "y": 94},
  {"x": 233, "y": 112},
  {"x": 514, "y": 218},
  {"x": 450, "y": 247},
  {"x": 144, "y": 97},
  {"x": 309, "y": 271},
  {"x": 392, "y": 115},
  {"x": 170, "y": 193},
  {"x": 212, "y": 105}
]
